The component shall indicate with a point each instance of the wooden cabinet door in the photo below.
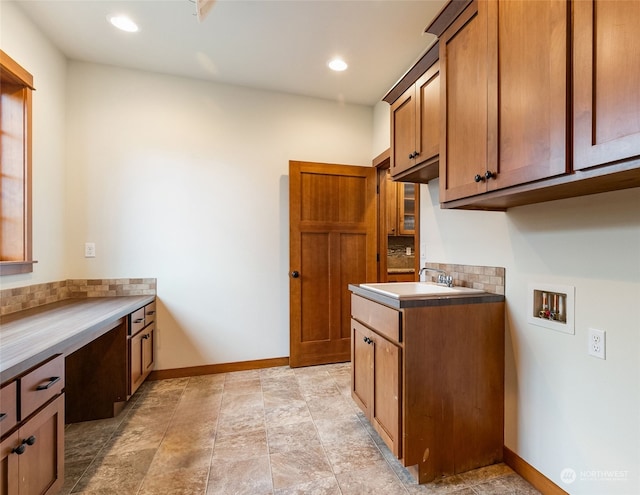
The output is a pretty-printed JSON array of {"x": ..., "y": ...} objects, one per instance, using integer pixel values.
[
  {"x": 606, "y": 114},
  {"x": 463, "y": 97},
  {"x": 362, "y": 367},
  {"x": 148, "y": 357},
  {"x": 428, "y": 114},
  {"x": 391, "y": 201},
  {"x": 9, "y": 478},
  {"x": 407, "y": 193},
  {"x": 527, "y": 91},
  {"x": 385, "y": 416},
  {"x": 136, "y": 372},
  {"x": 403, "y": 131},
  {"x": 41, "y": 466}
]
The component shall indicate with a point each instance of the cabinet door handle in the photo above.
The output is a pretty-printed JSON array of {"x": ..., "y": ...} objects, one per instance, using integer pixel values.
[
  {"x": 478, "y": 178},
  {"x": 295, "y": 274},
  {"x": 19, "y": 449},
  {"x": 30, "y": 441},
  {"x": 145, "y": 336},
  {"x": 489, "y": 175},
  {"x": 3, "y": 416},
  {"x": 52, "y": 380},
  {"x": 367, "y": 340}
]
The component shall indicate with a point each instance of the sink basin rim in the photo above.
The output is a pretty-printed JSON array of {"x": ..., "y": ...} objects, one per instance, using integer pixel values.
[{"x": 415, "y": 290}]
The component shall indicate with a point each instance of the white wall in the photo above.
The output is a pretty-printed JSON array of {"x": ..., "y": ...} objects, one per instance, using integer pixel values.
[
  {"x": 187, "y": 181},
  {"x": 25, "y": 44},
  {"x": 564, "y": 409}
]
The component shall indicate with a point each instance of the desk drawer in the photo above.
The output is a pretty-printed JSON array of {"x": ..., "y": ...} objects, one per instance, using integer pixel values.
[
  {"x": 136, "y": 322},
  {"x": 150, "y": 313},
  {"x": 40, "y": 385},
  {"x": 8, "y": 407},
  {"x": 384, "y": 320}
]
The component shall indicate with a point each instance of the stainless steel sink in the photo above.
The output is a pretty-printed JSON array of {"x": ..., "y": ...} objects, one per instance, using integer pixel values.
[{"x": 416, "y": 290}]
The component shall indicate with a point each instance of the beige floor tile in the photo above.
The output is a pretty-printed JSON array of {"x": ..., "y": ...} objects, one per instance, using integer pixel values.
[
  {"x": 294, "y": 467},
  {"x": 240, "y": 445},
  {"x": 240, "y": 477},
  {"x": 294, "y": 436},
  {"x": 170, "y": 458},
  {"x": 176, "y": 482},
  {"x": 118, "y": 473},
  {"x": 275, "y": 430},
  {"x": 373, "y": 480},
  {"x": 294, "y": 412},
  {"x": 323, "y": 486}
]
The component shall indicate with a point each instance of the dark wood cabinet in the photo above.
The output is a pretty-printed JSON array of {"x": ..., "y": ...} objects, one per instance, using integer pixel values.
[
  {"x": 415, "y": 127},
  {"x": 376, "y": 375},
  {"x": 504, "y": 96},
  {"x": 141, "y": 346},
  {"x": 430, "y": 379},
  {"x": 510, "y": 74},
  {"x": 606, "y": 114},
  {"x": 32, "y": 452}
]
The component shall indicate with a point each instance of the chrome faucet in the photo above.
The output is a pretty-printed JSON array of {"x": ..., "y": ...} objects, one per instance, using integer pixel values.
[{"x": 443, "y": 278}]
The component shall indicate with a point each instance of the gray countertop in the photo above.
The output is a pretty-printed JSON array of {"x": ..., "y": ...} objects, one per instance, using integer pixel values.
[
  {"x": 31, "y": 336},
  {"x": 439, "y": 300}
]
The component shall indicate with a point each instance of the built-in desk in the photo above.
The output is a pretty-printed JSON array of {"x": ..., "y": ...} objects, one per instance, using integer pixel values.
[{"x": 69, "y": 361}]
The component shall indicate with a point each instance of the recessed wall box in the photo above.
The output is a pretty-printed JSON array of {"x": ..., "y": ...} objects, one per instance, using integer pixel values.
[{"x": 551, "y": 306}]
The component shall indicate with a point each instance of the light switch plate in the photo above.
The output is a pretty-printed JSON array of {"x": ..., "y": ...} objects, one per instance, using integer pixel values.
[{"x": 89, "y": 249}]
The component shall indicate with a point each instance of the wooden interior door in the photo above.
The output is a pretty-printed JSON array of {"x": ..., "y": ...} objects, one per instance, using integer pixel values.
[{"x": 332, "y": 243}]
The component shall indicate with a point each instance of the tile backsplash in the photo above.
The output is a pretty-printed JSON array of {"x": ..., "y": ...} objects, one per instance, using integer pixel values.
[
  {"x": 487, "y": 278},
  {"x": 31, "y": 296}
]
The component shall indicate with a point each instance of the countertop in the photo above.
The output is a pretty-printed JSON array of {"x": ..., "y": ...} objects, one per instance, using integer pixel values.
[
  {"x": 31, "y": 336},
  {"x": 439, "y": 300}
]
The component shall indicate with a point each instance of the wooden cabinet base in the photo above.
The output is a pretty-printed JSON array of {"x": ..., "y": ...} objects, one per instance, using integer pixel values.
[
  {"x": 32, "y": 458},
  {"x": 430, "y": 379},
  {"x": 96, "y": 380}
]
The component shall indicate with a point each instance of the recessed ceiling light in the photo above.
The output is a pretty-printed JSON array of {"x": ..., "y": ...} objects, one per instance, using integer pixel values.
[
  {"x": 338, "y": 65},
  {"x": 124, "y": 23}
]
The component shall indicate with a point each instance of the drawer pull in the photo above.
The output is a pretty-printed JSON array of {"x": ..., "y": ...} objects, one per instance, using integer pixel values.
[
  {"x": 3, "y": 416},
  {"x": 23, "y": 446},
  {"x": 151, "y": 312},
  {"x": 19, "y": 449},
  {"x": 139, "y": 320},
  {"x": 52, "y": 380}
]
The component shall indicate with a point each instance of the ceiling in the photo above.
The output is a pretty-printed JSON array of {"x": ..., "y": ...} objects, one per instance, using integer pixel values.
[{"x": 277, "y": 45}]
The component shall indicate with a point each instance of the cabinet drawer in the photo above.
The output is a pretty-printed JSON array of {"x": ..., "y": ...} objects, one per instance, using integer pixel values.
[
  {"x": 386, "y": 321},
  {"x": 150, "y": 313},
  {"x": 136, "y": 321},
  {"x": 8, "y": 407},
  {"x": 40, "y": 385}
]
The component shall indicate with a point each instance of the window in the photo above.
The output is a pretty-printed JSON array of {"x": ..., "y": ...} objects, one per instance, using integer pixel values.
[{"x": 16, "y": 85}]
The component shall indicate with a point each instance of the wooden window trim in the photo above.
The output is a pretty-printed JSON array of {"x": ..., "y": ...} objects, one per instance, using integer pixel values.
[{"x": 12, "y": 73}]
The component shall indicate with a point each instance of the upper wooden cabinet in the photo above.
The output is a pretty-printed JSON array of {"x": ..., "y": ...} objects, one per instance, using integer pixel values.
[
  {"x": 415, "y": 129},
  {"x": 503, "y": 73},
  {"x": 510, "y": 74},
  {"x": 606, "y": 94},
  {"x": 415, "y": 121}
]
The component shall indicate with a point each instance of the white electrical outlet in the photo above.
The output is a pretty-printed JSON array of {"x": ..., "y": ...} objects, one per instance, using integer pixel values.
[
  {"x": 597, "y": 343},
  {"x": 89, "y": 249}
]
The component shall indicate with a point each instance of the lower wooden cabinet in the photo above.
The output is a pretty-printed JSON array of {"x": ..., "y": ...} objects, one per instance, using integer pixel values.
[
  {"x": 430, "y": 379},
  {"x": 32, "y": 457},
  {"x": 376, "y": 382},
  {"x": 141, "y": 357}
]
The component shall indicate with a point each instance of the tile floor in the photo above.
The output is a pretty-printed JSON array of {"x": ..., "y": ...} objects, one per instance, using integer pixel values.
[{"x": 272, "y": 431}]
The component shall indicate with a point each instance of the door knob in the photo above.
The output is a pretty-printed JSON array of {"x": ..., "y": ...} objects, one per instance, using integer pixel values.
[{"x": 294, "y": 274}]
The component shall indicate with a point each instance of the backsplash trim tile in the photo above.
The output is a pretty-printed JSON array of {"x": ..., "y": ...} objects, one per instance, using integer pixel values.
[
  {"x": 31, "y": 296},
  {"x": 487, "y": 278}
]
